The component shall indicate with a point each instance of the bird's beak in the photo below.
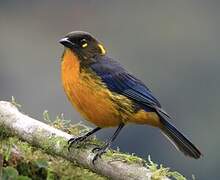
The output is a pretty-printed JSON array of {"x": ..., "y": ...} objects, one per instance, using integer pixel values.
[{"x": 67, "y": 43}]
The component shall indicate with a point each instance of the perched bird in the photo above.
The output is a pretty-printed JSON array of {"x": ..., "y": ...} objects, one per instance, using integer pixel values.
[{"x": 107, "y": 95}]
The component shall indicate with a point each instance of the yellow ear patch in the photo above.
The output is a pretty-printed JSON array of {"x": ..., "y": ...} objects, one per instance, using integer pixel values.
[
  {"x": 103, "y": 51},
  {"x": 85, "y": 45}
]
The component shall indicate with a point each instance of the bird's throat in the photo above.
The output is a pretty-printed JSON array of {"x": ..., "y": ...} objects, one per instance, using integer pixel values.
[{"x": 70, "y": 65}]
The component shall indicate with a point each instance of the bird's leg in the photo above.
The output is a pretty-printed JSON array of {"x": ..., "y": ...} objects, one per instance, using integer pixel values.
[
  {"x": 101, "y": 150},
  {"x": 82, "y": 138}
]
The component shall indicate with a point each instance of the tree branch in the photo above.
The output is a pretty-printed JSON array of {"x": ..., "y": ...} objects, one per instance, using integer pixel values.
[{"x": 54, "y": 141}]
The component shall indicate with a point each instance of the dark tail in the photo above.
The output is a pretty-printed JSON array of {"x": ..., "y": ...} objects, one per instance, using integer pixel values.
[{"x": 176, "y": 137}]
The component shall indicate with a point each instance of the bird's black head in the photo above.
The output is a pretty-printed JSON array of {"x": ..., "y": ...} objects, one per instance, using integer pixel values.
[{"x": 83, "y": 44}]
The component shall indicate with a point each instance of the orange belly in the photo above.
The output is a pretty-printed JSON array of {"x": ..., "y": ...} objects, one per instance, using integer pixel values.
[{"x": 94, "y": 101}]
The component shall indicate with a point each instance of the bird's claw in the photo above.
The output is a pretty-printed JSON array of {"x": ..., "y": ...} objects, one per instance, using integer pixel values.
[
  {"x": 99, "y": 151},
  {"x": 75, "y": 141},
  {"x": 96, "y": 149}
]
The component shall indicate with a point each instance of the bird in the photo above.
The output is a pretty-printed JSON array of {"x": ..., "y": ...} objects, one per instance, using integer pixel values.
[{"x": 107, "y": 95}]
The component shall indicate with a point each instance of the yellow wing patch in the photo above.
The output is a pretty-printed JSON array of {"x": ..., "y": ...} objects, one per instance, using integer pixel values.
[{"x": 103, "y": 51}]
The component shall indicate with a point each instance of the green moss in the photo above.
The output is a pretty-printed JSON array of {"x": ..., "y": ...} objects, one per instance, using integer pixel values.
[
  {"x": 11, "y": 173},
  {"x": 4, "y": 133},
  {"x": 53, "y": 141},
  {"x": 160, "y": 172},
  {"x": 124, "y": 157},
  {"x": 36, "y": 164},
  {"x": 75, "y": 129}
]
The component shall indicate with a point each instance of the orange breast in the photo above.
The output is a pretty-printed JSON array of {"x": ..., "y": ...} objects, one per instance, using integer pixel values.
[{"x": 87, "y": 93}]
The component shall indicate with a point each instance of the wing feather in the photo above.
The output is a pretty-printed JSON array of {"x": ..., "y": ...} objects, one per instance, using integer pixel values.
[{"x": 118, "y": 80}]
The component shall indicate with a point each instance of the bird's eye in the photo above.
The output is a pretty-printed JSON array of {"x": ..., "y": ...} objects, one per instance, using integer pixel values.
[{"x": 84, "y": 43}]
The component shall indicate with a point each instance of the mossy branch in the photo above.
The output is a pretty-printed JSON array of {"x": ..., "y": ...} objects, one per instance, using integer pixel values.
[{"x": 53, "y": 141}]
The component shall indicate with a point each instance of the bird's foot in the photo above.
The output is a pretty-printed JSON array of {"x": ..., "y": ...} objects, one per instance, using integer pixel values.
[
  {"x": 99, "y": 151},
  {"x": 82, "y": 138},
  {"x": 76, "y": 141}
]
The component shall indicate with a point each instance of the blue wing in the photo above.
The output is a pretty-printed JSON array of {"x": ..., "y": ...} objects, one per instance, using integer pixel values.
[{"x": 118, "y": 80}]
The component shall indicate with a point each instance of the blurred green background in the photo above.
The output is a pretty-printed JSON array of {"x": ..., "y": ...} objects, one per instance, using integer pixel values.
[{"x": 173, "y": 46}]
